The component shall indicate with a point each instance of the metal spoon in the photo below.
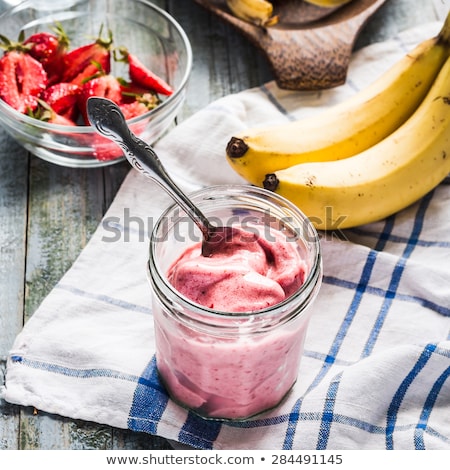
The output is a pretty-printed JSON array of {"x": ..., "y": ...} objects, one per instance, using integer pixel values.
[{"x": 108, "y": 120}]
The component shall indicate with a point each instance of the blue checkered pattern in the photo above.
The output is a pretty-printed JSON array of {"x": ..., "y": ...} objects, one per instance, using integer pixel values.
[{"x": 376, "y": 366}]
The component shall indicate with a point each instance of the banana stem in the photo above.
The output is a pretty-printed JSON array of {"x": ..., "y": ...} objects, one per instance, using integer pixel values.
[
  {"x": 444, "y": 34},
  {"x": 236, "y": 148}
]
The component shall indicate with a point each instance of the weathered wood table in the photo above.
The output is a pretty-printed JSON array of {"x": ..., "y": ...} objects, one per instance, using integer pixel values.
[{"x": 48, "y": 212}]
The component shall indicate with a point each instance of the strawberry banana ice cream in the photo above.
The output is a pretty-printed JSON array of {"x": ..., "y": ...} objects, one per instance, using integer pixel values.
[
  {"x": 254, "y": 270},
  {"x": 236, "y": 361}
]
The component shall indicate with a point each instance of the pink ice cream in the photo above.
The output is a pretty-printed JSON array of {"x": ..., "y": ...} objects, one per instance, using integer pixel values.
[
  {"x": 234, "y": 376},
  {"x": 228, "y": 379},
  {"x": 255, "y": 269}
]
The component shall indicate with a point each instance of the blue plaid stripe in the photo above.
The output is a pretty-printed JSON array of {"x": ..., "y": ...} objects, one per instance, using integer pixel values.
[
  {"x": 441, "y": 309},
  {"x": 422, "y": 427},
  {"x": 397, "y": 274},
  {"x": 80, "y": 373},
  {"x": 364, "y": 232},
  {"x": 189, "y": 433},
  {"x": 149, "y": 401},
  {"x": 400, "y": 394},
  {"x": 294, "y": 417},
  {"x": 104, "y": 299},
  {"x": 328, "y": 416}
]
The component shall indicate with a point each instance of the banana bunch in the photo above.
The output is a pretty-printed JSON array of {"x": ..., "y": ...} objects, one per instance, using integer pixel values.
[
  {"x": 367, "y": 157},
  {"x": 259, "y": 12},
  {"x": 347, "y": 128},
  {"x": 383, "y": 179},
  {"x": 328, "y": 3}
]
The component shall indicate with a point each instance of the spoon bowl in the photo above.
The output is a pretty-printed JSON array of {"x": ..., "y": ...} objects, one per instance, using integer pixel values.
[{"x": 108, "y": 120}]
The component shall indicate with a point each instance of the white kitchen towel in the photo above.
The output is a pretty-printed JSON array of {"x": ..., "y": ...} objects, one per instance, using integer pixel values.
[{"x": 376, "y": 368}]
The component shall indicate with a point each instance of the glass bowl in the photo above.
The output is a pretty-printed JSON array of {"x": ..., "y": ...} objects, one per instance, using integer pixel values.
[{"x": 147, "y": 31}]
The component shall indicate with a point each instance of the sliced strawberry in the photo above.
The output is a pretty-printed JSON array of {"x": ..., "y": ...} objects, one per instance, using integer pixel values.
[
  {"x": 139, "y": 106},
  {"x": 86, "y": 61},
  {"x": 49, "y": 49},
  {"x": 142, "y": 105},
  {"x": 61, "y": 120},
  {"x": 106, "y": 86},
  {"x": 22, "y": 79},
  {"x": 131, "y": 91},
  {"x": 55, "y": 118},
  {"x": 63, "y": 99},
  {"x": 45, "y": 112},
  {"x": 105, "y": 150},
  {"x": 142, "y": 76},
  {"x": 131, "y": 110}
]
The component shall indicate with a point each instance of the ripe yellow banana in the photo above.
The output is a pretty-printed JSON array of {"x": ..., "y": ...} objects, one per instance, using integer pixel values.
[
  {"x": 328, "y": 3},
  {"x": 383, "y": 179},
  {"x": 259, "y": 12},
  {"x": 347, "y": 128}
]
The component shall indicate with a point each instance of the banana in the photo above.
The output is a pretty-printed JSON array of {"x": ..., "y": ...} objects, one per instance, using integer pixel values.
[
  {"x": 259, "y": 12},
  {"x": 381, "y": 180},
  {"x": 328, "y": 3},
  {"x": 348, "y": 127}
]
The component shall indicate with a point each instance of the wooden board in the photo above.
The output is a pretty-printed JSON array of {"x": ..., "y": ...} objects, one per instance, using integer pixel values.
[{"x": 310, "y": 47}]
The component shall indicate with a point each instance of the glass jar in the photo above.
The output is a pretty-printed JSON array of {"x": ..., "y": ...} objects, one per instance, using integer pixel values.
[{"x": 221, "y": 364}]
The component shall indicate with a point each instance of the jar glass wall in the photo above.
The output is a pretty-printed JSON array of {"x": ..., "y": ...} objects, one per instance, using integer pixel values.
[{"x": 221, "y": 364}]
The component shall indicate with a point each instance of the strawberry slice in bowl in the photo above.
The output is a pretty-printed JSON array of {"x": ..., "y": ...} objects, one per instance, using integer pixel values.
[
  {"x": 134, "y": 101},
  {"x": 106, "y": 86},
  {"x": 63, "y": 99},
  {"x": 22, "y": 79},
  {"x": 86, "y": 61},
  {"x": 141, "y": 75},
  {"x": 46, "y": 113}
]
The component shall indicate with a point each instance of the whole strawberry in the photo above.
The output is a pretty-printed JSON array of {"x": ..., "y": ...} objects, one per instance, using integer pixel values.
[
  {"x": 22, "y": 77},
  {"x": 84, "y": 62},
  {"x": 49, "y": 49}
]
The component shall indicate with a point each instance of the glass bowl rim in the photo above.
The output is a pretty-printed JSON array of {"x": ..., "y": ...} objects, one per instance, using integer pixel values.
[{"x": 85, "y": 129}]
